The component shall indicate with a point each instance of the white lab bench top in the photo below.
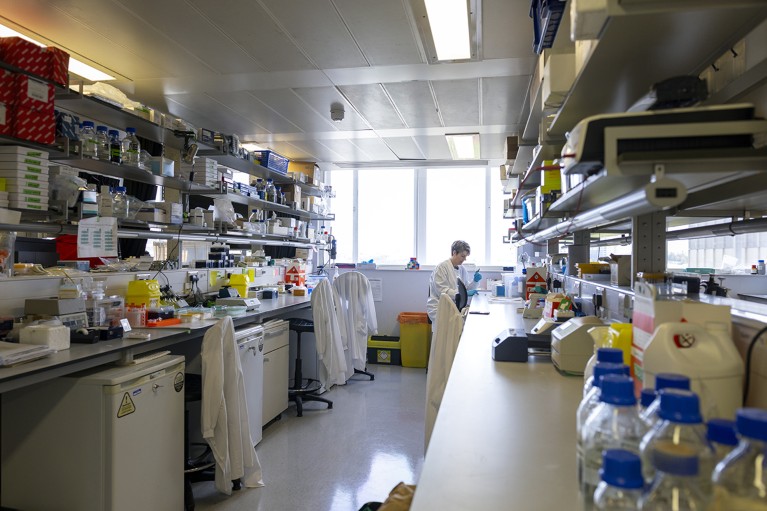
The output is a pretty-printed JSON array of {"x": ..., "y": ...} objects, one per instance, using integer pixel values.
[{"x": 504, "y": 437}]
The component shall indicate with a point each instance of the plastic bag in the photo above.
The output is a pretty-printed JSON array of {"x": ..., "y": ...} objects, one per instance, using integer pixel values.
[
  {"x": 66, "y": 189},
  {"x": 224, "y": 211}
]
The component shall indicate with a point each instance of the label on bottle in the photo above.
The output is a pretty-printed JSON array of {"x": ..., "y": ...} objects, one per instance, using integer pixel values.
[{"x": 115, "y": 153}]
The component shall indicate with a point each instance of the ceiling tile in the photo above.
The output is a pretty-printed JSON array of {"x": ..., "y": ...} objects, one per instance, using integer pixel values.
[
  {"x": 290, "y": 106},
  {"x": 500, "y": 98},
  {"x": 383, "y": 31},
  {"x": 375, "y": 147},
  {"x": 507, "y": 29},
  {"x": 254, "y": 110},
  {"x": 248, "y": 25},
  {"x": 434, "y": 147},
  {"x": 317, "y": 150},
  {"x": 404, "y": 148},
  {"x": 458, "y": 101},
  {"x": 374, "y": 105},
  {"x": 318, "y": 29},
  {"x": 346, "y": 150},
  {"x": 321, "y": 99},
  {"x": 415, "y": 102},
  {"x": 492, "y": 146}
]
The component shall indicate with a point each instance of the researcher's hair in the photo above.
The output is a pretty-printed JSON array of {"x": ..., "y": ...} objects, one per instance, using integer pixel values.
[{"x": 460, "y": 246}]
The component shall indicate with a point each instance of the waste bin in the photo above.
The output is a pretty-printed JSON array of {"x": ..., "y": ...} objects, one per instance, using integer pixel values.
[
  {"x": 383, "y": 349},
  {"x": 414, "y": 336}
]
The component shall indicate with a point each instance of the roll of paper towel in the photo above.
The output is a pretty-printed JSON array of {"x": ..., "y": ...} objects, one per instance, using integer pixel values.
[{"x": 53, "y": 336}]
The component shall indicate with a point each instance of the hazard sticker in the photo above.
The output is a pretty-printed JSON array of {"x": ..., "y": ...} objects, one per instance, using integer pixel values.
[
  {"x": 178, "y": 382},
  {"x": 127, "y": 406}
]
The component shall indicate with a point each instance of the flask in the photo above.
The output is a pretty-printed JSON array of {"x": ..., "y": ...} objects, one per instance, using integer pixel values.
[
  {"x": 102, "y": 139},
  {"x": 621, "y": 485},
  {"x": 131, "y": 148},
  {"x": 115, "y": 147},
  {"x": 120, "y": 202},
  {"x": 614, "y": 424},
  {"x": 721, "y": 434},
  {"x": 663, "y": 381},
  {"x": 740, "y": 479},
  {"x": 611, "y": 355},
  {"x": 89, "y": 140},
  {"x": 680, "y": 428},
  {"x": 270, "y": 191},
  {"x": 675, "y": 486},
  {"x": 760, "y": 266}
]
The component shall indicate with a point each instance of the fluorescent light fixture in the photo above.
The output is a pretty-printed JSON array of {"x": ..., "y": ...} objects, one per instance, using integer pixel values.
[
  {"x": 463, "y": 146},
  {"x": 75, "y": 66},
  {"x": 449, "y": 22},
  {"x": 252, "y": 146}
]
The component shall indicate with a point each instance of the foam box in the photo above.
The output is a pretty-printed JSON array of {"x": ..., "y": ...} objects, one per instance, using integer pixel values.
[{"x": 53, "y": 336}]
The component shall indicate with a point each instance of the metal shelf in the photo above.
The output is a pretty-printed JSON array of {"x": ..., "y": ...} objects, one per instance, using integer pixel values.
[{"x": 252, "y": 202}]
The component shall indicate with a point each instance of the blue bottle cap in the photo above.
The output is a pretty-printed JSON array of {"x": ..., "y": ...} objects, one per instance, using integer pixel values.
[
  {"x": 613, "y": 355},
  {"x": 88, "y": 123},
  {"x": 130, "y": 130},
  {"x": 671, "y": 381},
  {"x": 617, "y": 389},
  {"x": 677, "y": 405},
  {"x": 646, "y": 397},
  {"x": 721, "y": 431},
  {"x": 101, "y": 128},
  {"x": 114, "y": 133},
  {"x": 621, "y": 468},
  {"x": 752, "y": 423},
  {"x": 682, "y": 461},
  {"x": 120, "y": 189},
  {"x": 603, "y": 368}
]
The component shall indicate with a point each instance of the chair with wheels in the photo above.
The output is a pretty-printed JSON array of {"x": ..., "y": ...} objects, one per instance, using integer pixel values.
[{"x": 303, "y": 389}]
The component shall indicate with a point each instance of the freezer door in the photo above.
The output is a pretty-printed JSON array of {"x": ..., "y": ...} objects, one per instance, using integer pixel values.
[
  {"x": 252, "y": 360},
  {"x": 145, "y": 442}
]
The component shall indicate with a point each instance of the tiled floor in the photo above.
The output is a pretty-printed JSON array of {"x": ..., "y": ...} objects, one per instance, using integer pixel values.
[{"x": 336, "y": 460}]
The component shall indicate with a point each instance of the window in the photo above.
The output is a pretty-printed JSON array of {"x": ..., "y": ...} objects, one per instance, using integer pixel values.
[{"x": 342, "y": 205}]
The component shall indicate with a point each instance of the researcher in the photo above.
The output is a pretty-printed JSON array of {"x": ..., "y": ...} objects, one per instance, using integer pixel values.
[{"x": 444, "y": 278}]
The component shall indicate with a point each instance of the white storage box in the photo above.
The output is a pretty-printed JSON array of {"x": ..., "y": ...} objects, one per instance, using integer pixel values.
[
  {"x": 11, "y": 183},
  {"x": 53, "y": 336},
  {"x": 161, "y": 166},
  {"x": 288, "y": 222},
  {"x": 21, "y": 159},
  {"x": 24, "y": 151},
  {"x": 558, "y": 77},
  {"x": 14, "y": 169},
  {"x": 152, "y": 214},
  {"x": 277, "y": 229}
]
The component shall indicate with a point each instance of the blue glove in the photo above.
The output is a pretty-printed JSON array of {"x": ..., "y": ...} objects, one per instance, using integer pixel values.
[
  {"x": 477, "y": 276},
  {"x": 471, "y": 292}
]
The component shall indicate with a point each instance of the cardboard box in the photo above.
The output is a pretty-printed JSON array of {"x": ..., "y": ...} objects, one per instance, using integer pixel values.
[
  {"x": 620, "y": 270},
  {"x": 58, "y": 66},
  {"x": 292, "y": 193},
  {"x": 558, "y": 78},
  {"x": 25, "y": 55},
  {"x": 35, "y": 124},
  {"x": 296, "y": 273},
  {"x": 303, "y": 167},
  {"x": 32, "y": 93},
  {"x": 6, "y": 126}
]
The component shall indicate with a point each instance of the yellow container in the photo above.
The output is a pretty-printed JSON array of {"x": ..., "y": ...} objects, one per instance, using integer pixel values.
[
  {"x": 240, "y": 282},
  {"x": 414, "y": 337},
  {"x": 619, "y": 336},
  {"x": 143, "y": 292}
]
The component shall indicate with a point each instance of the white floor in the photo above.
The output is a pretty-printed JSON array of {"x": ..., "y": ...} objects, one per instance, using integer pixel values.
[{"x": 336, "y": 460}]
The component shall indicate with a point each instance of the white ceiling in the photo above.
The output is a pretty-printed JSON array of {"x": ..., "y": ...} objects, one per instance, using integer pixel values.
[{"x": 269, "y": 70}]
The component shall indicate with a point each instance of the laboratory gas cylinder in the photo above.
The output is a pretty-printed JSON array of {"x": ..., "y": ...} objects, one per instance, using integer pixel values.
[{"x": 707, "y": 355}]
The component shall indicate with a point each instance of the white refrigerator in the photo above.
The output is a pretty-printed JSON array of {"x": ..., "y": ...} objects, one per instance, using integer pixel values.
[
  {"x": 101, "y": 440},
  {"x": 250, "y": 342}
]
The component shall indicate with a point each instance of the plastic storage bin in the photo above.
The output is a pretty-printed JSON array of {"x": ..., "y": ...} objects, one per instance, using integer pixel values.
[
  {"x": 273, "y": 161},
  {"x": 383, "y": 349},
  {"x": 414, "y": 335}
]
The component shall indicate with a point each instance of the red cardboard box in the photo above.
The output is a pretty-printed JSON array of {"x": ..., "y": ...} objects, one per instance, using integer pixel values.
[
  {"x": 7, "y": 86},
  {"x": 33, "y": 93},
  {"x": 34, "y": 124},
  {"x": 58, "y": 66},
  {"x": 25, "y": 55},
  {"x": 6, "y": 119}
]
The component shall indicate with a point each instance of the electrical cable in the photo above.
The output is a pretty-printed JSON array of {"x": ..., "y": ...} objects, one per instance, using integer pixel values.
[{"x": 748, "y": 362}]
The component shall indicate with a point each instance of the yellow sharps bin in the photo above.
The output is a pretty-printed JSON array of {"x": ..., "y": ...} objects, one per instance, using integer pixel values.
[{"x": 414, "y": 337}]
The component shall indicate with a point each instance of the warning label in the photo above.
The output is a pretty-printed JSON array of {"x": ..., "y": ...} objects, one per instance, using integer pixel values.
[
  {"x": 126, "y": 406},
  {"x": 178, "y": 382}
]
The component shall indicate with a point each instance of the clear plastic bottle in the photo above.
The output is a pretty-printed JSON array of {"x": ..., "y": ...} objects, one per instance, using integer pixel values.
[
  {"x": 740, "y": 479},
  {"x": 760, "y": 268},
  {"x": 102, "y": 139},
  {"x": 721, "y": 434},
  {"x": 254, "y": 217},
  {"x": 614, "y": 424},
  {"x": 270, "y": 192},
  {"x": 260, "y": 188},
  {"x": 115, "y": 147},
  {"x": 680, "y": 428},
  {"x": 89, "y": 140},
  {"x": 675, "y": 487},
  {"x": 120, "y": 202},
  {"x": 131, "y": 148},
  {"x": 663, "y": 381},
  {"x": 610, "y": 355},
  {"x": 622, "y": 483},
  {"x": 278, "y": 194}
]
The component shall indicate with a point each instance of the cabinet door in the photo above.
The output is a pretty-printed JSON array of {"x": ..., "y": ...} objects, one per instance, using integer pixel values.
[{"x": 275, "y": 383}]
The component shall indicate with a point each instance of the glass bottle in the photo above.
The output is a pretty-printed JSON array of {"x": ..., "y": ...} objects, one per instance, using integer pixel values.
[
  {"x": 270, "y": 191},
  {"x": 89, "y": 140},
  {"x": 663, "y": 381},
  {"x": 675, "y": 486},
  {"x": 120, "y": 202},
  {"x": 131, "y": 148},
  {"x": 278, "y": 194},
  {"x": 254, "y": 217},
  {"x": 102, "y": 139},
  {"x": 115, "y": 147},
  {"x": 622, "y": 483},
  {"x": 611, "y": 355},
  {"x": 741, "y": 478},
  {"x": 721, "y": 434},
  {"x": 591, "y": 400},
  {"x": 646, "y": 397},
  {"x": 260, "y": 188}
]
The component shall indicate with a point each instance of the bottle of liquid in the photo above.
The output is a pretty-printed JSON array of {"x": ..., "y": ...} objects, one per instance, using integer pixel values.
[
  {"x": 115, "y": 147},
  {"x": 120, "y": 202},
  {"x": 680, "y": 429},
  {"x": 611, "y": 355},
  {"x": 591, "y": 399},
  {"x": 754, "y": 270},
  {"x": 102, "y": 139},
  {"x": 614, "y": 424},
  {"x": 131, "y": 148},
  {"x": 663, "y": 381},
  {"x": 740, "y": 479},
  {"x": 270, "y": 192},
  {"x": 254, "y": 217},
  {"x": 260, "y": 188},
  {"x": 89, "y": 140},
  {"x": 760, "y": 267},
  {"x": 675, "y": 486},
  {"x": 278, "y": 194},
  {"x": 721, "y": 434},
  {"x": 646, "y": 397},
  {"x": 622, "y": 483}
]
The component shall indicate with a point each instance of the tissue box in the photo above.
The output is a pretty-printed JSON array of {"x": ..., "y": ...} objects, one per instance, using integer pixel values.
[
  {"x": 53, "y": 336},
  {"x": 161, "y": 166}
]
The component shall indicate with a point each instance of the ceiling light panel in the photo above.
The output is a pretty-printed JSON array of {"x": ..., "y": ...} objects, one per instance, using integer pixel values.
[
  {"x": 463, "y": 146},
  {"x": 449, "y": 24}
]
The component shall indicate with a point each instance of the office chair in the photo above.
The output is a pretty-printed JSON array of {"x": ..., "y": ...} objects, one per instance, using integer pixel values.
[{"x": 303, "y": 389}]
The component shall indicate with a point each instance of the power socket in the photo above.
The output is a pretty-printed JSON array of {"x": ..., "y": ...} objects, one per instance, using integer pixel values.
[{"x": 193, "y": 276}]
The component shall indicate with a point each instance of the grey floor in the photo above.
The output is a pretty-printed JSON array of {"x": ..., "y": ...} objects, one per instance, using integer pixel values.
[{"x": 336, "y": 460}]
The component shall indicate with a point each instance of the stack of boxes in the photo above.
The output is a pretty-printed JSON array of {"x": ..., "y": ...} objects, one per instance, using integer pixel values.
[
  {"x": 26, "y": 103},
  {"x": 25, "y": 172},
  {"x": 203, "y": 172}
]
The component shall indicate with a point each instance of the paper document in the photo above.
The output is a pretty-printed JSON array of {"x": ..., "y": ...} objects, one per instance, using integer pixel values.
[
  {"x": 97, "y": 237},
  {"x": 376, "y": 286},
  {"x": 14, "y": 353}
]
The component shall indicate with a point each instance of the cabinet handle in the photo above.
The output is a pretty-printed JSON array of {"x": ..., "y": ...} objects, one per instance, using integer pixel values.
[{"x": 155, "y": 386}]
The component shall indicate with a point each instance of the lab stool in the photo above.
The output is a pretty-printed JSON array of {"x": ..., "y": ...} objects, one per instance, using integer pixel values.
[
  {"x": 203, "y": 466},
  {"x": 300, "y": 391}
]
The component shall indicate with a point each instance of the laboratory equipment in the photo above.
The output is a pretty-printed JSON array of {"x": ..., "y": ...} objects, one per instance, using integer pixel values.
[
  {"x": 103, "y": 440},
  {"x": 611, "y": 355},
  {"x": 646, "y": 397},
  {"x": 115, "y": 147},
  {"x": 510, "y": 346},
  {"x": 88, "y": 140},
  {"x": 622, "y": 483},
  {"x": 571, "y": 344},
  {"x": 248, "y": 303},
  {"x": 146, "y": 292},
  {"x": 131, "y": 148},
  {"x": 704, "y": 353},
  {"x": 102, "y": 141},
  {"x": 662, "y": 381},
  {"x": 250, "y": 342},
  {"x": 676, "y": 483}
]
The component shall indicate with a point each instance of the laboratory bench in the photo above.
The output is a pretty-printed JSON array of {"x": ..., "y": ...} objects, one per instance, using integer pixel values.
[
  {"x": 504, "y": 437},
  {"x": 84, "y": 356}
]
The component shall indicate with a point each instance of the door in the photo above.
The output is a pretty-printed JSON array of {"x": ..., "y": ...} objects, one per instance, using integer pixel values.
[
  {"x": 252, "y": 360},
  {"x": 276, "y": 363}
]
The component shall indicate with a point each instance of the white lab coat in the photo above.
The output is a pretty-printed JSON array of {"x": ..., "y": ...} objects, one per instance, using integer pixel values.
[
  {"x": 443, "y": 347},
  {"x": 444, "y": 279},
  {"x": 357, "y": 317},
  {"x": 225, "y": 411},
  {"x": 327, "y": 331}
]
